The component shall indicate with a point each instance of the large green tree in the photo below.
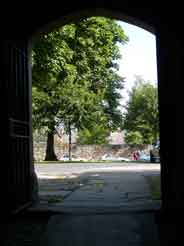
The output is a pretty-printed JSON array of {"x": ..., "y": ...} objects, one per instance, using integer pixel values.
[
  {"x": 141, "y": 116},
  {"x": 96, "y": 133},
  {"x": 75, "y": 77}
]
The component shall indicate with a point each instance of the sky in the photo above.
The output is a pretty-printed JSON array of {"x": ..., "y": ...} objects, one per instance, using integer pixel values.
[{"x": 138, "y": 57}]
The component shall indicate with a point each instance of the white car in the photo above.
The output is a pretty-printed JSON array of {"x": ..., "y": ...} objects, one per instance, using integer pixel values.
[
  {"x": 109, "y": 157},
  {"x": 65, "y": 157},
  {"x": 124, "y": 159}
]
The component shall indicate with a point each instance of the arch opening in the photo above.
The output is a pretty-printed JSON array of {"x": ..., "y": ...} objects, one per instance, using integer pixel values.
[{"x": 86, "y": 14}]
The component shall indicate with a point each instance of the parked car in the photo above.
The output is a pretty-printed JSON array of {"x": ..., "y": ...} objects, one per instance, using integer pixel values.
[
  {"x": 110, "y": 157},
  {"x": 65, "y": 157},
  {"x": 124, "y": 159},
  {"x": 155, "y": 153},
  {"x": 144, "y": 157}
]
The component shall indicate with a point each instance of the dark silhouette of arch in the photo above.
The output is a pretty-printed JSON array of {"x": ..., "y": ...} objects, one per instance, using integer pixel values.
[{"x": 21, "y": 26}]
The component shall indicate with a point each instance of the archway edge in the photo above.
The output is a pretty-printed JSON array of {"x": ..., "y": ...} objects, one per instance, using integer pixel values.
[{"x": 73, "y": 16}]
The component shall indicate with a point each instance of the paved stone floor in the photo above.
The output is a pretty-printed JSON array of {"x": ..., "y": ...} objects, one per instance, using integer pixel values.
[
  {"x": 102, "y": 230},
  {"x": 108, "y": 204},
  {"x": 110, "y": 187}
]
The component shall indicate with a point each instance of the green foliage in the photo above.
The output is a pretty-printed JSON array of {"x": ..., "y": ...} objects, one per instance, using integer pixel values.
[
  {"x": 133, "y": 138},
  {"x": 75, "y": 74},
  {"x": 75, "y": 80},
  {"x": 97, "y": 133},
  {"x": 141, "y": 117}
]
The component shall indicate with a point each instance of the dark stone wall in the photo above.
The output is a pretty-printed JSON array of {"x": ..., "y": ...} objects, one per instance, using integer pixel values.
[{"x": 170, "y": 74}]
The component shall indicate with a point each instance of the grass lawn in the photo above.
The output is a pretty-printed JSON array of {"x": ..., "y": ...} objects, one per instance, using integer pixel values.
[{"x": 154, "y": 185}]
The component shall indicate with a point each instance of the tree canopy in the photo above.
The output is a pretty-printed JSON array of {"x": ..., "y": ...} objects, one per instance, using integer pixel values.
[
  {"x": 75, "y": 80},
  {"x": 141, "y": 116}
]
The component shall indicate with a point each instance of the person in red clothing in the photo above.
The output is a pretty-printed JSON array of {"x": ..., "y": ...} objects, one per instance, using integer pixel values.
[
  {"x": 134, "y": 156},
  {"x": 137, "y": 155}
]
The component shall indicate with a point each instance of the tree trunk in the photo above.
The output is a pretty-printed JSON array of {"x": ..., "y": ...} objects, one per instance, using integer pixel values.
[
  {"x": 70, "y": 143},
  {"x": 50, "y": 154}
]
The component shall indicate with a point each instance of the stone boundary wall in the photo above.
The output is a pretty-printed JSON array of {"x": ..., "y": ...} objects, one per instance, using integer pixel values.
[{"x": 89, "y": 152}]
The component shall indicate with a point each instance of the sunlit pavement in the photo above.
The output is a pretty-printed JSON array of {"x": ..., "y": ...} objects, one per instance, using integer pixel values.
[
  {"x": 98, "y": 204},
  {"x": 54, "y": 170},
  {"x": 96, "y": 187}
]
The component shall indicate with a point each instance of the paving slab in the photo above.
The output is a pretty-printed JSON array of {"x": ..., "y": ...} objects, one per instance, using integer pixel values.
[
  {"x": 98, "y": 190},
  {"x": 110, "y": 189},
  {"x": 106, "y": 207}
]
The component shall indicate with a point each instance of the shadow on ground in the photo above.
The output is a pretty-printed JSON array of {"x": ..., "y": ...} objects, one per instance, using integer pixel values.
[{"x": 98, "y": 204}]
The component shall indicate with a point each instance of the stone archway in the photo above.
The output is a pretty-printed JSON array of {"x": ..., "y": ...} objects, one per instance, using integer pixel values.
[
  {"x": 169, "y": 52},
  {"x": 74, "y": 16}
]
